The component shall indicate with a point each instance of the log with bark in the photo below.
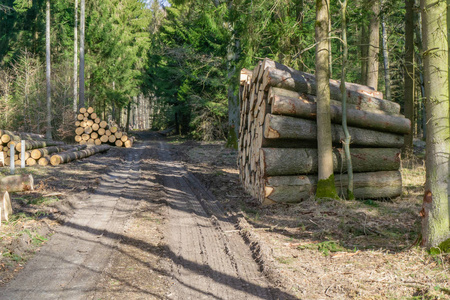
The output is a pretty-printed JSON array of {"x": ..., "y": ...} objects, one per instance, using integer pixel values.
[
  {"x": 371, "y": 185},
  {"x": 5, "y": 207},
  {"x": 38, "y": 153},
  {"x": 291, "y": 161},
  {"x": 301, "y": 107},
  {"x": 17, "y": 183},
  {"x": 286, "y": 127},
  {"x": 66, "y": 157}
]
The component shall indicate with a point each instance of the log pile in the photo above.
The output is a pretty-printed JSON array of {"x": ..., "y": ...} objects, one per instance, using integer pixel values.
[
  {"x": 277, "y": 138},
  {"x": 9, "y": 139},
  {"x": 91, "y": 130}
]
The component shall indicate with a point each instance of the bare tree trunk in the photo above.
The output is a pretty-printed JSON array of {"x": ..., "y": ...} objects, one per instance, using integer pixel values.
[
  {"x": 326, "y": 186},
  {"x": 387, "y": 76},
  {"x": 82, "y": 37},
  {"x": 409, "y": 78},
  {"x": 374, "y": 45},
  {"x": 233, "y": 101},
  {"x": 48, "y": 134},
  {"x": 75, "y": 61},
  {"x": 348, "y": 138},
  {"x": 364, "y": 53},
  {"x": 435, "y": 209}
]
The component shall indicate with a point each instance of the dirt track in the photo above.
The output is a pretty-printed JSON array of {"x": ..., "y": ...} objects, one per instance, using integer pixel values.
[{"x": 105, "y": 249}]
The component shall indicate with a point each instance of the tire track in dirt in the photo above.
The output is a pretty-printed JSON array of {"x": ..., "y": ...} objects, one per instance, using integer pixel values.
[
  {"x": 210, "y": 260},
  {"x": 70, "y": 264}
]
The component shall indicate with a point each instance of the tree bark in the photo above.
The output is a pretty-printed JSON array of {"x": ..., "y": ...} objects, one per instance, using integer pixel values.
[
  {"x": 435, "y": 211},
  {"x": 387, "y": 75},
  {"x": 292, "y": 161},
  {"x": 17, "y": 183},
  {"x": 283, "y": 127},
  {"x": 374, "y": 45},
  {"x": 66, "y": 157},
  {"x": 82, "y": 38},
  {"x": 48, "y": 133},
  {"x": 326, "y": 186},
  {"x": 301, "y": 107},
  {"x": 409, "y": 70},
  {"x": 372, "y": 185},
  {"x": 306, "y": 83},
  {"x": 38, "y": 153},
  {"x": 75, "y": 60},
  {"x": 5, "y": 207}
]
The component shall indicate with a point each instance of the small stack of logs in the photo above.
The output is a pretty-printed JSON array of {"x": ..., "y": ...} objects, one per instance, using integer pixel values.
[
  {"x": 13, "y": 139},
  {"x": 278, "y": 158},
  {"x": 91, "y": 130}
]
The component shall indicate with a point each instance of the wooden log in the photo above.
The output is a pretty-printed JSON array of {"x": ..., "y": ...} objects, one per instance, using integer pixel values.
[
  {"x": 301, "y": 107},
  {"x": 129, "y": 143},
  {"x": 78, "y": 138},
  {"x": 285, "y": 127},
  {"x": 94, "y": 135},
  {"x": 112, "y": 138},
  {"x": 5, "y": 207},
  {"x": 97, "y": 142},
  {"x": 29, "y": 145},
  {"x": 104, "y": 139},
  {"x": 31, "y": 162},
  {"x": 86, "y": 116},
  {"x": 113, "y": 129},
  {"x": 85, "y": 137},
  {"x": 103, "y": 124},
  {"x": 124, "y": 138},
  {"x": 90, "y": 142},
  {"x": 90, "y": 123},
  {"x": 306, "y": 83},
  {"x": 118, "y": 134},
  {"x": 93, "y": 116},
  {"x": 101, "y": 131},
  {"x": 88, "y": 129},
  {"x": 90, "y": 110},
  {"x": 83, "y": 142},
  {"x": 79, "y": 130},
  {"x": 82, "y": 110},
  {"x": 291, "y": 161},
  {"x": 371, "y": 185},
  {"x": 119, "y": 143},
  {"x": 95, "y": 127},
  {"x": 38, "y": 153},
  {"x": 80, "y": 117},
  {"x": 77, "y": 123},
  {"x": 108, "y": 132},
  {"x": 66, "y": 157},
  {"x": 97, "y": 120},
  {"x": 44, "y": 161},
  {"x": 17, "y": 183}
]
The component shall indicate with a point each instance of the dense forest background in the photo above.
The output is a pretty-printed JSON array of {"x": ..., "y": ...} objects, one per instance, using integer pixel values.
[{"x": 178, "y": 65}]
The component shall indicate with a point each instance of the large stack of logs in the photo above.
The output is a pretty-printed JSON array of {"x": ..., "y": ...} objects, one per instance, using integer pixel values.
[
  {"x": 277, "y": 141},
  {"x": 91, "y": 130},
  {"x": 11, "y": 139}
]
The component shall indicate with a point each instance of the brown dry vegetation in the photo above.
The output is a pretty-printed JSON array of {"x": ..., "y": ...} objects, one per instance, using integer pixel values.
[{"x": 331, "y": 249}]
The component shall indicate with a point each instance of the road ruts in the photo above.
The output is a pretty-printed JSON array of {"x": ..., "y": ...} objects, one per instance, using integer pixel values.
[
  {"x": 210, "y": 260},
  {"x": 70, "y": 264}
]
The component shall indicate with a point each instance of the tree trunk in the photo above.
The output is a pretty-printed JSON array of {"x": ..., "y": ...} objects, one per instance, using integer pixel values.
[
  {"x": 306, "y": 83},
  {"x": 283, "y": 127},
  {"x": 387, "y": 76},
  {"x": 82, "y": 38},
  {"x": 292, "y": 161},
  {"x": 326, "y": 188},
  {"x": 75, "y": 60},
  {"x": 348, "y": 138},
  {"x": 17, "y": 183},
  {"x": 5, "y": 207},
  {"x": 374, "y": 45},
  {"x": 435, "y": 211},
  {"x": 372, "y": 185},
  {"x": 66, "y": 157},
  {"x": 301, "y": 107},
  {"x": 48, "y": 133},
  {"x": 409, "y": 76}
]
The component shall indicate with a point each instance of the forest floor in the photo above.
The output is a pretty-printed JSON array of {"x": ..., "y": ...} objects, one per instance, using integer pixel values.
[{"x": 180, "y": 226}]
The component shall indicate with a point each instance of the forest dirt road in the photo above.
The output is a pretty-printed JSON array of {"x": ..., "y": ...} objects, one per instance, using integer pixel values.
[{"x": 150, "y": 230}]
